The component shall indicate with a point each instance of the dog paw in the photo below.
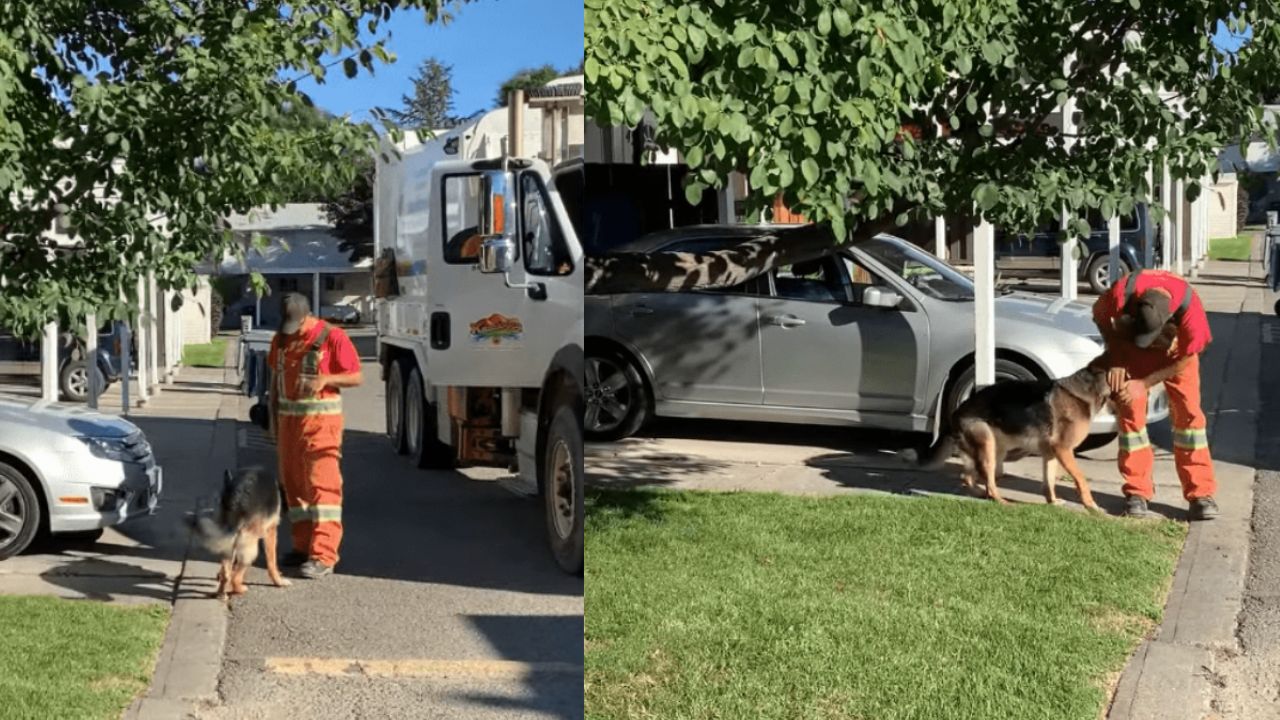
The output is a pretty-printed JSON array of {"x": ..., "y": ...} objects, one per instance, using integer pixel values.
[
  {"x": 1095, "y": 509},
  {"x": 1058, "y": 502},
  {"x": 283, "y": 583}
]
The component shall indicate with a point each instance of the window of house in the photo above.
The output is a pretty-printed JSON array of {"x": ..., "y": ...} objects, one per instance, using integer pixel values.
[{"x": 288, "y": 284}]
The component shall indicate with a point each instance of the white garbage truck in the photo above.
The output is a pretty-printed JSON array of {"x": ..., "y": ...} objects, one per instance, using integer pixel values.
[{"x": 480, "y": 321}]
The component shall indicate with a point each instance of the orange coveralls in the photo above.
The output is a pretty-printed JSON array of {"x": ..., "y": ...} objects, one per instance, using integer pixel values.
[
  {"x": 309, "y": 434},
  {"x": 1190, "y": 440}
]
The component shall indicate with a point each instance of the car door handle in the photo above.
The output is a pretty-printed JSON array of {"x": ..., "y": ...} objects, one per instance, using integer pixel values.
[
  {"x": 639, "y": 310},
  {"x": 786, "y": 321}
]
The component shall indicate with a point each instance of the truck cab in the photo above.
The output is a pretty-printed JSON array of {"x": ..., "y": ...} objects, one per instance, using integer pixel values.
[{"x": 480, "y": 330}]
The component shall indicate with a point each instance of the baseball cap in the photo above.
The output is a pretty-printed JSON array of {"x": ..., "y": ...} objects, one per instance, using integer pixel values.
[
  {"x": 1150, "y": 311},
  {"x": 294, "y": 308}
]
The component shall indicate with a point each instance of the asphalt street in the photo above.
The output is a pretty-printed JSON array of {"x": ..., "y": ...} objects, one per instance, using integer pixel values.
[{"x": 446, "y": 602}]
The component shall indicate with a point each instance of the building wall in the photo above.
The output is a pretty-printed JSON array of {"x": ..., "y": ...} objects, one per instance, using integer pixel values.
[
  {"x": 194, "y": 315},
  {"x": 1222, "y": 207}
]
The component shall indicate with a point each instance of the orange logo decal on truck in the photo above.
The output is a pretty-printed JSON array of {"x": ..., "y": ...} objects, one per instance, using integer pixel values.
[{"x": 496, "y": 330}]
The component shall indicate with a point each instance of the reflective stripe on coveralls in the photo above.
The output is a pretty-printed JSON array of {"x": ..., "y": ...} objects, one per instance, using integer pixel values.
[
  {"x": 309, "y": 444},
  {"x": 1190, "y": 438}
]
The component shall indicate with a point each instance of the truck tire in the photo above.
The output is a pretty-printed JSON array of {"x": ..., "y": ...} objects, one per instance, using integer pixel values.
[
  {"x": 395, "y": 407},
  {"x": 19, "y": 512},
  {"x": 421, "y": 440},
  {"x": 562, "y": 483}
]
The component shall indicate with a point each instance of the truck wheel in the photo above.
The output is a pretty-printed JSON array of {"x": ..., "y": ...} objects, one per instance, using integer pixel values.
[
  {"x": 420, "y": 428},
  {"x": 1099, "y": 272},
  {"x": 19, "y": 512},
  {"x": 562, "y": 479},
  {"x": 395, "y": 407},
  {"x": 73, "y": 381}
]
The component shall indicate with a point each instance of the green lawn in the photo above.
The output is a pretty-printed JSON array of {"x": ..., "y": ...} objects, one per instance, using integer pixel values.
[
  {"x": 75, "y": 658},
  {"x": 1234, "y": 248},
  {"x": 210, "y": 355},
  {"x": 767, "y": 606}
]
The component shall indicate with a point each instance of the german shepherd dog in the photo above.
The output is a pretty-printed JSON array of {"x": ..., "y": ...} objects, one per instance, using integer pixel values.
[
  {"x": 1013, "y": 419},
  {"x": 248, "y": 511}
]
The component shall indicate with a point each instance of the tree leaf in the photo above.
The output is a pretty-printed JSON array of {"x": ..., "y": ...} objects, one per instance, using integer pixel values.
[
  {"x": 809, "y": 168},
  {"x": 350, "y": 68}
]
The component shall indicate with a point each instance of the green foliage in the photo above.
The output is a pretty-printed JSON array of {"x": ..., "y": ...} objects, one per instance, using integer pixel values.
[
  {"x": 137, "y": 126},
  {"x": 351, "y": 214},
  {"x": 810, "y": 98},
  {"x": 431, "y": 105},
  {"x": 526, "y": 79}
]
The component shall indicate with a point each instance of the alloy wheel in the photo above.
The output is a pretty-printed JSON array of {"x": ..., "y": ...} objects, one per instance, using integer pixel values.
[
  {"x": 609, "y": 396},
  {"x": 13, "y": 512}
]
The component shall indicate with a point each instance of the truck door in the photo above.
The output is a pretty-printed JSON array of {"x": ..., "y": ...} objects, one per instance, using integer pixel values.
[{"x": 501, "y": 330}]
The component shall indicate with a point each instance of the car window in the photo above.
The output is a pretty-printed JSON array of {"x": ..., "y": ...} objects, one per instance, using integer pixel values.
[
  {"x": 861, "y": 279},
  {"x": 925, "y": 272},
  {"x": 813, "y": 280},
  {"x": 708, "y": 244}
]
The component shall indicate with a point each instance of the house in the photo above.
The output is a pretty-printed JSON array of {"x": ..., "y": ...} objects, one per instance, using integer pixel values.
[{"x": 300, "y": 253}]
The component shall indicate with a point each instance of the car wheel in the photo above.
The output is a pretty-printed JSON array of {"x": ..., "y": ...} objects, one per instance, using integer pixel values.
[
  {"x": 617, "y": 400},
  {"x": 73, "y": 381},
  {"x": 1099, "y": 273},
  {"x": 395, "y": 407},
  {"x": 1277, "y": 307},
  {"x": 562, "y": 483},
  {"x": 19, "y": 512},
  {"x": 963, "y": 386},
  {"x": 1093, "y": 442},
  {"x": 421, "y": 440}
]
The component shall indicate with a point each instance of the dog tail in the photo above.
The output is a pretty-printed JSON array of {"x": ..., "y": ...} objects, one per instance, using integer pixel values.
[
  {"x": 217, "y": 539},
  {"x": 935, "y": 457}
]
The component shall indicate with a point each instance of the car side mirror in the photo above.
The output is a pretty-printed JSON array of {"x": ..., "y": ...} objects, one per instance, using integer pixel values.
[
  {"x": 878, "y": 297},
  {"x": 497, "y": 254}
]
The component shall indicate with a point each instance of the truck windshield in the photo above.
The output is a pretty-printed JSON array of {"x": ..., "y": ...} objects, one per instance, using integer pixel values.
[{"x": 925, "y": 272}]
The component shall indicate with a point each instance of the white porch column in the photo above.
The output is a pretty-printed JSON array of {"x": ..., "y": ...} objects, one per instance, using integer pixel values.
[
  {"x": 1113, "y": 247},
  {"x": 1181, "y": 215},
  {"x": 144, "y": 363},
  {"x": 315, "y": 293},
  {"x": 1069, "y": 279},
  {"x": 984, "y": 295},
  {"x": 940, "y": 237},
  {"x": 725, "y": 200},
  {"x": 49, "y": 363},
  {"x": 1149, "y": 252},
  {"x": 91, "y": 356},
  {"x": 1204, "y": 221},
  {"x": 1193, "y": 262},
  {"x": 1166, "y": 227},
  {"x": 153, "y": 334}
]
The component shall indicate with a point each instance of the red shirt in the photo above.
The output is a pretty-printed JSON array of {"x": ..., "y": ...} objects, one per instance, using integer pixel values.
[
  {"x": 338, "y": 355},
  {"x": 1193, "y": 326}
]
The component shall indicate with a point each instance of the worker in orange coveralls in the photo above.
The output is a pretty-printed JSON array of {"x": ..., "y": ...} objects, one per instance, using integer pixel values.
[
  {"x": 1155, "y": 328},
  {"x": 311, "y": 361}
]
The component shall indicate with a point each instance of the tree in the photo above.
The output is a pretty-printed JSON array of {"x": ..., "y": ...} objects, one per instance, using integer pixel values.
[
  {"x": 834, "y": 105},
  {"x": 136, "y": 127},
  {"x": 526, "y": 79},
  {"x": 351, "y": 214},
  {"x": 431, "y": 105}
]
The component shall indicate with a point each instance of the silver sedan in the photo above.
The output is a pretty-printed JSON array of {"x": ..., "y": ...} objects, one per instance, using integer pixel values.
[
  {"x": 879, "y": 334},
  {"x": 69, "y": 470}
]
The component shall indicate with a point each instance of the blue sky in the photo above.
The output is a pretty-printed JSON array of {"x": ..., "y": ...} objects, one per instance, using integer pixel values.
[
  {"x": 1226, "y": 40},
  {"x": 487, "y": 42}
]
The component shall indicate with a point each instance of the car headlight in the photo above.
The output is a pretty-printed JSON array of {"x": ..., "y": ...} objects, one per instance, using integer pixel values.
[{"x": 107, "y": 448}]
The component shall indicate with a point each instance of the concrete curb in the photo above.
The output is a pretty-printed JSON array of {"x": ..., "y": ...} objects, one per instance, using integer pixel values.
[
  {"x": 1173, "y": 675},
  {"x": 190, "y": 662}
]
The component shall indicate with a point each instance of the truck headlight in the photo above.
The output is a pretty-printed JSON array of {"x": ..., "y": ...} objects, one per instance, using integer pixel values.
[{"x": 106, "y": 448}]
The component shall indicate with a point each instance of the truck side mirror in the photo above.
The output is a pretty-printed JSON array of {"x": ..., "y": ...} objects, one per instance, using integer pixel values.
[
  {"x": 497, "y": 254},
  {"x": 493, "y": 217}
]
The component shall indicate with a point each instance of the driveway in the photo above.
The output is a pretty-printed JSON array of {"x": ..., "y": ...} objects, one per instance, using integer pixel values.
[{"x": 446, "y": 603}]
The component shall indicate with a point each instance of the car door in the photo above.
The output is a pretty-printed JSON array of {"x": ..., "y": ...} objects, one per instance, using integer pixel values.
[
  {"x": 701, "y": 346},
  {"x": 822, "y": 348}
]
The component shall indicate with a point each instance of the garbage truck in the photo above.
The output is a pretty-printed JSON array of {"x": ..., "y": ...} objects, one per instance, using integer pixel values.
[{"x": 479, "y": 283}]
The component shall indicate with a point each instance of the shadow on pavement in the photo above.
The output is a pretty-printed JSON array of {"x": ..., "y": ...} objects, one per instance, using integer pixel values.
[
  {"x": 535, "y": 639},
  {"x": 402, "y": 523},
  {"x": 98, "y": 578}
]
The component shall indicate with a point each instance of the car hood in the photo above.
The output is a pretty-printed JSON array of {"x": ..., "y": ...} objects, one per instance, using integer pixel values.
[
  {"x": 1069, "y": 315},
  {"x": 63, "y": 420}
]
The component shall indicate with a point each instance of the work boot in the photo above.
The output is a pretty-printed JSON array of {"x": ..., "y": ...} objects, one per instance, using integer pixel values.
[
  {"x": 314, "y": 569},
  {"x": 293, "y": 558},
  {"x": 1203, "y": 508},
  {"x": 1136, "y": 507}
]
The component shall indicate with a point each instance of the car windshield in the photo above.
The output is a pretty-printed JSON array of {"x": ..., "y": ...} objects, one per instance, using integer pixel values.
[{"x": 925, "y": 272}]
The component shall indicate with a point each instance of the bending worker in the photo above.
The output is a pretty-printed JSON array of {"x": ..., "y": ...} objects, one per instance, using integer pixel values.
[
  {"x": 311, "y": 361},
  {"x": 1155, "y": 328}
]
